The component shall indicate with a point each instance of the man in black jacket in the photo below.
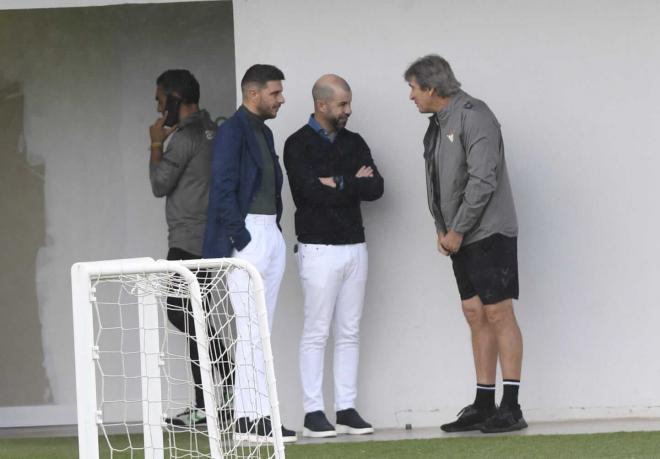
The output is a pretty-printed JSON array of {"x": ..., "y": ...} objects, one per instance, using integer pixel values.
[{"x": 330, "y": 172}]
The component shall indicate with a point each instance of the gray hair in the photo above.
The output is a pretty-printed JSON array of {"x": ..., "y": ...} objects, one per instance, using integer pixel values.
[{"x": 433, "y": 72}]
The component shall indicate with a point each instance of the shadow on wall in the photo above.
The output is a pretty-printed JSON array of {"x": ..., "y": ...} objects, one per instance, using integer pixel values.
[{"x": 22, "y": 228}]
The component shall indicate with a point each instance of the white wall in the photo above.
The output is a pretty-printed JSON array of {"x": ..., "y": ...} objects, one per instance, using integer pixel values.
[
  {"x": 574, "y": 86},
  {"x": 88, "y": 77}
]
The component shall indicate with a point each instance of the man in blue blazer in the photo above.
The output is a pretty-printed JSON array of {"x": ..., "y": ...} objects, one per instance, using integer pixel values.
[{"x": 245, "y": 206}]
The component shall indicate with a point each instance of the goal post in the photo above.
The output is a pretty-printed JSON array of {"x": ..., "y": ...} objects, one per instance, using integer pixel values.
[
  {"x": 131, "y": 374},
  {"x": 257, "y": 292}
]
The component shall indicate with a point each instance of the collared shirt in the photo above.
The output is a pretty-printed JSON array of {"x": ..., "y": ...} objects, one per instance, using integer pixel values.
[
  {"x": 320, "y": 131},
  {"x": 264, "y": 201}
]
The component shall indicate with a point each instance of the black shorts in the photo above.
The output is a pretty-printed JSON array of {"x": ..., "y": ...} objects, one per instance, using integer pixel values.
[{"x": 488, "y": 268}]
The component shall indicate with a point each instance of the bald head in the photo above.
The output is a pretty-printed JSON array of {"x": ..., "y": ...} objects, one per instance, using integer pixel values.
[
  {"x": 332, "y": 102},
  {"x": 326, "y": 86}
]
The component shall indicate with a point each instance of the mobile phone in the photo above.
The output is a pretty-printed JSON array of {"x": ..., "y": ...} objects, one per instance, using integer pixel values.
[{"x": 172, "y": 105}]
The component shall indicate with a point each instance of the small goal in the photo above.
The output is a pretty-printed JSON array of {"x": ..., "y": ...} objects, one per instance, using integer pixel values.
[{"x": 134, "y": 372}]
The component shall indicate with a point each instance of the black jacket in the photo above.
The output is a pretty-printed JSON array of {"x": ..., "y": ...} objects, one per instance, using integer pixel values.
[{"x": 326, "y": 215}]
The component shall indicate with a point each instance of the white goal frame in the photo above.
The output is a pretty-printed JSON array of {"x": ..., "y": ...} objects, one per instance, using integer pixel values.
[{"x": 89, "y": 415}]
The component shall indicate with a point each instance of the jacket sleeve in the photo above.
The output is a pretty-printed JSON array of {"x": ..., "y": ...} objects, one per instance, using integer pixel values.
[
  {"x": 165, "y": 175},
  {"x": 225, "y": 177},
  {"x": 305, "y": 182},
  {"x": 483, "y": 149},
  {"x": 366, "y": 188}
]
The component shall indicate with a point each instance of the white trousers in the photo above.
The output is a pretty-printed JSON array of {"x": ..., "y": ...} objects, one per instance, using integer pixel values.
[
  {"x": 267, "y": 252},
  {"x": 333, "y": 280}
]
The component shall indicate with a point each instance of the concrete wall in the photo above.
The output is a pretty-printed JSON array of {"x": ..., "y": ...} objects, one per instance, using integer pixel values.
[
  {"x": 574, "y": 86},
  {"x": 23, "y": 380},
  {"x": 87, "y": 77},
  {"x": 28, "y": 4}
]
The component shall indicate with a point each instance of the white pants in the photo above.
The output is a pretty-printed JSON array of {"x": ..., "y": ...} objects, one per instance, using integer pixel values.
[
  {"x": 267, "y": 252},
  {"x": 333, "y": 280}
]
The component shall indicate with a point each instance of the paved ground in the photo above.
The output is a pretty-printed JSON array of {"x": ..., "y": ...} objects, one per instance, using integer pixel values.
[{"x": 537, "y": 428}]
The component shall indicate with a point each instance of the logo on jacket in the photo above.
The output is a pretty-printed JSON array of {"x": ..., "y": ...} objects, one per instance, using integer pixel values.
[{"x": 451, "y": 137}]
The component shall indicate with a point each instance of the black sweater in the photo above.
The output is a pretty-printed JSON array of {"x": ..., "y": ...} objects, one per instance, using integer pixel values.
[{"x": 326, "y": 215}]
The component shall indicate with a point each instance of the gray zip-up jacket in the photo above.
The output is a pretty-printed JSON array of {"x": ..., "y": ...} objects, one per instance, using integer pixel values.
[
  {"x": 467, "y": 181},
  {"x": 184, "y": 175}
]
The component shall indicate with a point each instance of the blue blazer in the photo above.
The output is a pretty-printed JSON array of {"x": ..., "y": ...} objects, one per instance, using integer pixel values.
[{"x": 236, "y": 170}]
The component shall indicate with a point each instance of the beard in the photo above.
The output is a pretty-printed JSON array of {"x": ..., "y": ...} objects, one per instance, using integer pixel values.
[
  {"x": 267, "y": 112},
  {"x": 339, "y": 122}
]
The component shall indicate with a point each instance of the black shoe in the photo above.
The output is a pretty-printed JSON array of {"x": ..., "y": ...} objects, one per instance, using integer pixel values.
[
  {"x": 225, "y": 417},
  {"x": 226, "y": 410},
  {"x": 469, "y": 418},
  {"x": 288, "y": 435},
  {"x": 243, "y": 430},
  {"x": 188, "y": 418},
  {"x": 318, "y": 426},
  {"x": 260, "y": 431},
  {"x": 506, "y": 419},
  {"x": 350, "y": 422}
]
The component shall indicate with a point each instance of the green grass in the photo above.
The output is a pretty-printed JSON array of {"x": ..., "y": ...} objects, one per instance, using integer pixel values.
[{"x": 613, "y": 445}]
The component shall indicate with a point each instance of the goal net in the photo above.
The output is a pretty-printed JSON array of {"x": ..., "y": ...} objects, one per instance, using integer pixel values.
[{"x": 170, "y": 358}]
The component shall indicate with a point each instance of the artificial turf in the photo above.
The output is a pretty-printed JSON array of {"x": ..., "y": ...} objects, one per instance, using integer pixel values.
[{"x": 611, "y": 445}]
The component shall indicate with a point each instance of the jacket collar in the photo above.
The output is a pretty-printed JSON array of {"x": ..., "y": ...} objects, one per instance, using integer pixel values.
[
  {"x": 454, "y": 103},
  {"x": 194, "y": 117},
  {"x": 253, "y": 146}
]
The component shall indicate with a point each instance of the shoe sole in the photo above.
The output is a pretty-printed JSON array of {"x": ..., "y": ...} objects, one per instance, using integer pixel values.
[
  {"x": 258, "y": 440},
  {"x": 252, "y": 439},
  {"x": 342, "y": 429},
  {"x": 316, "y": 434},
  {"x": 520, "y": 425},
  {"x": 463, "y": 429}
]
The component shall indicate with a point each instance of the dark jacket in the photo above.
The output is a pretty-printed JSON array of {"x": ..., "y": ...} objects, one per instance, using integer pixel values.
[
  {"x": 183, "y": 175},
  {"x": 235, "y": 177},
  {"x": 326, "y": 215}
]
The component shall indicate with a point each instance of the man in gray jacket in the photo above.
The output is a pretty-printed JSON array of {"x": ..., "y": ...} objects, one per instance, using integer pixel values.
[
  {"x": 181, "y": 171},
  {"x": 471, "y": 202}
]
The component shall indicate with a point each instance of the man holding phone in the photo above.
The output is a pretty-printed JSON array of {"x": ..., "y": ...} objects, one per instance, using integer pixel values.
[{"x": 181, "y": 171}]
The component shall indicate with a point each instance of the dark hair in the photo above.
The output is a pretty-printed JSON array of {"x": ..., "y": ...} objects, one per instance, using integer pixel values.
[
  {"x": 260, "y": 75},
  {"x": 182, "y": 82},
  {"x": 433, "y": 72}
]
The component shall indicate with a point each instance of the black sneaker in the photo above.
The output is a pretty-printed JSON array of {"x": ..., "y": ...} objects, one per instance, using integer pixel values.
[
  {"x": 188, "y": 418},
  {"x": 350, "y": 422},
  {"x": 260, "y": 431},
  {"x": 506, "y": 419},
  {"x": 318, "y": 426},
  {"x": 226, "y": 411},
  {"x": 469, "y": 418},
  {"x": 243, "y": 430},
  {"x": 225, "y": 417}
]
